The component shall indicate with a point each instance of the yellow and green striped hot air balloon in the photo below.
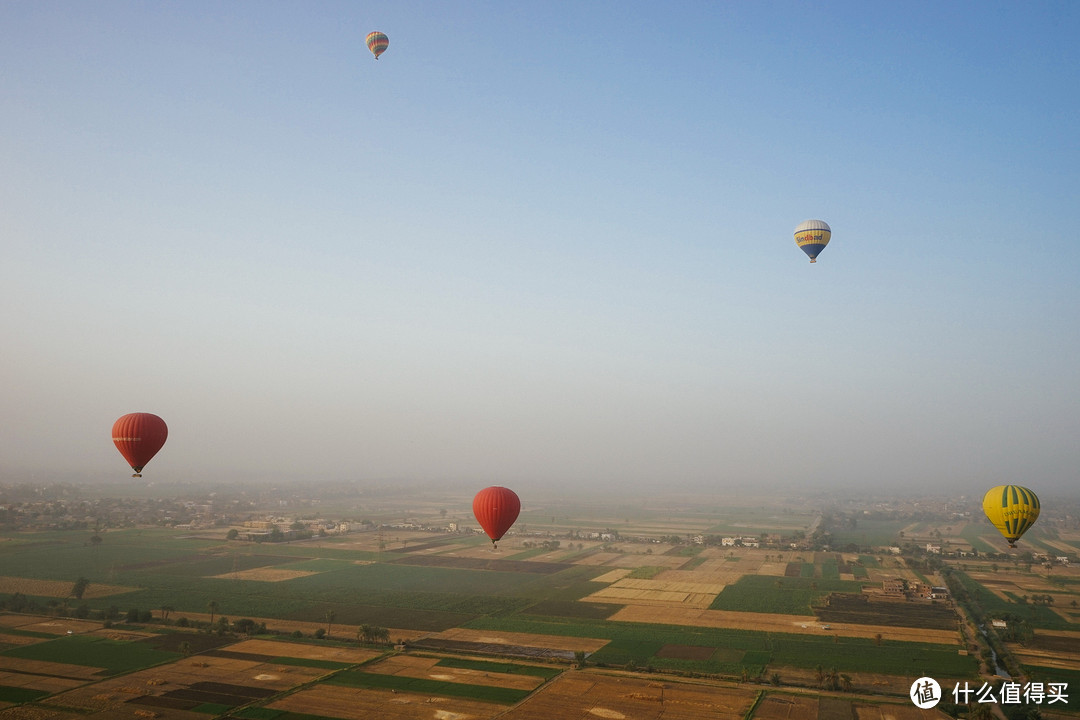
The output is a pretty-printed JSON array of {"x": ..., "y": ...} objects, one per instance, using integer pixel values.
[{"x": 1012, "y": 509}]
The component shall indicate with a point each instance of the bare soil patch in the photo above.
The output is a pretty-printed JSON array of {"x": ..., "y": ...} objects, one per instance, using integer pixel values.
[
  {"x": 426, "y": 667},
  {"x": 551, "y": 642},
  {"x": 274, "y": 648},
  {"x": 777, "y": 623},
  {"x": 612, "y": 576},
  {"x": 786, "y": 707},
  {"x": 57, "y": 588},
  {"x": 587, "y": 694},
  {"x": 266, "y": 574},
  {"x": 521, "y": 645},
  {"x": 362, "y": 703},
  {"x": 44, "y": 667}
]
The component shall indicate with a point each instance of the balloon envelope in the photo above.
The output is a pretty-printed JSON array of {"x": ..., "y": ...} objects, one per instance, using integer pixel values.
[
  {"x": 377, "y": 43},
  {"x": 1012, "y": 509},
  {"x": 812, "y": 236},
  {"x": 496, "y": 508},
  {"x": 138, "y": 437}
]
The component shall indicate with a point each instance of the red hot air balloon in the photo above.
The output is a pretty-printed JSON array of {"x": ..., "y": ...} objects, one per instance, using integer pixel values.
[
  {"x": 377, "y": 43},
  {"x": 138, "y": 437},
  {"x": 496, "y": 508}
]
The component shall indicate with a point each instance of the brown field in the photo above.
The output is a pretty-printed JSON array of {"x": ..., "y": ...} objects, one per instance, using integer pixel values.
[
  {"x": 612, "y": 576},
  {"x": 268, "y": 574},
  {"x": 274, "y": 648},
  {"x": 657, "y": 592},
  {"x": 427, "y": 667},
  {"x": 600, "y": 558},
  {"x": 775, "y": 706},
  {"x": 30, "y": 712},
  {"x": 369, "y": 540},
  {"x": 114, "y": 693},
  {"x": 547, "y": 642},
  {"x": 587, "y": 695},
  {"x": 1058, "y": 649},
  {"x": 872, "y": 683},
  {"x": 627, "y": 560},
  {"x": 775, "y": 569},
  {"x": 38, "y": 682},
  {"x": 338, "y": 631},
  {"x": 776, "y": 623},
  {"x": 60, "y": 626},
  {"x": 712, "y": 572},
  {"x": 57, "y": 588},
  {"x": 361, "y": 703},
  {"x": 897, "y": 711},
  {"x": 44, "y": 667}
]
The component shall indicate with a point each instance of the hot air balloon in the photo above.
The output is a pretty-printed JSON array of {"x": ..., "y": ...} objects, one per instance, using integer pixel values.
[
  {"x": 812, "y": 236},
  {"x": 1012, "y": 509},
  {"x": 496, "y": 508},
  {"x": 377, "y": 43},
  {"x": 138, "y": 437}
]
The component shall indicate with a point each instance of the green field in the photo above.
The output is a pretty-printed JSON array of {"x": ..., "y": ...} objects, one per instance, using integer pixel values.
[
  {"x": 361, "y": 679},
  {"x": 497, "y": 667},
  {"x": 745, "y": 649},
  {"x": 786, "y": 596},
  {"x": 113, "y": 656},
  {"x": 1038, "y": 616}
]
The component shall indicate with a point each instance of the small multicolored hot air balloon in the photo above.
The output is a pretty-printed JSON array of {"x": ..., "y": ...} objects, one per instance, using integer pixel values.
[
  {"x": 138, "y": 437},
  {"x": 496, "y": 508},
  {"x": 1012, "y": 509},
  {"x": 812, "y": 236},
  {"x": 377, "y": 43}
]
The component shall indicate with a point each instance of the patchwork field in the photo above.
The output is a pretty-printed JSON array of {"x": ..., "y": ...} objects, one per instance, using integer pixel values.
[
  {"x": 628, "y": 603},
  {"x": 266, "y": 574},
  {"x": 765, "y": 622},
  {"x": 57, "y": 588},
  {"x": 435, "y": 669},
  {"x": 511, "y": 643},
  {"x": 591, "y": 695},
  {"x": 657, "y": 592},
  {"x": 775, "y": 706},
  {"x": 350, "y": 703}
]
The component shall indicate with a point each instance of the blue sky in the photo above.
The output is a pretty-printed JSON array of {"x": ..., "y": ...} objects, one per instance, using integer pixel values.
[{"x": 543, "y": 242}]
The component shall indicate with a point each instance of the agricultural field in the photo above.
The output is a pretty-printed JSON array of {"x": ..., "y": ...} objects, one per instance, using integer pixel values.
[
  {"x": 477, "y": 619},
  {"x": 591, "y": 695}
]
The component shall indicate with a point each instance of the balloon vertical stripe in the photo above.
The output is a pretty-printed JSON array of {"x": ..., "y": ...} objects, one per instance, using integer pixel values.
[{"x": 1012, "y": 509}]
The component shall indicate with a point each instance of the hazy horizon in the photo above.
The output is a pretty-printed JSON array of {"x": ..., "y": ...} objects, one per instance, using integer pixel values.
[{"x": 543, "y": 245}]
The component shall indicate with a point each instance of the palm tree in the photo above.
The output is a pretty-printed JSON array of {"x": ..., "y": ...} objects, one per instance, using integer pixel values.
[
  {"x": 330, "y": 615},
  {"x": 363, "y": 633},
  {"x": 165, "y": 610},
  {"x": 212, "y": 606}
]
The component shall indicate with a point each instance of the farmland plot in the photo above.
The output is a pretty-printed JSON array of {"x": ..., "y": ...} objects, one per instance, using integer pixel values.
[
  {"x": 352, "y": 703},
  {"x": 656, "y": 592},
  {"x": 513, "y": 643},
  {"x": 775, "y": 706},
  {"x": 56, "y": 588},
  {"x": 591, "y": 695},
  {"x": 429, "y": 667}
]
